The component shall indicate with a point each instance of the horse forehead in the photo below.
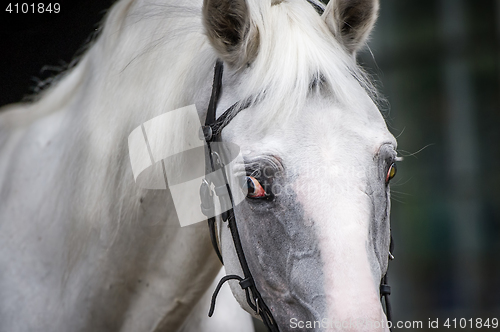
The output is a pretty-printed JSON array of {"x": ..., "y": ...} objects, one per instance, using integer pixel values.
[
  {"x": 336, "y": 134},
  {"x": 363, "y": 121},
  {"x": 320, "y": 132}
]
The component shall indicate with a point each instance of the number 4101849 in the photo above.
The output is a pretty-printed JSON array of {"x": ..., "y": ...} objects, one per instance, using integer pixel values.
[
  {"x": 477, "y": 323},
  {"x": 33, "y": 8}
]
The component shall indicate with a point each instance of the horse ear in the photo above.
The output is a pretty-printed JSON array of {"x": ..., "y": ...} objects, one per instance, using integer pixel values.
[
  {"x": 228, "y": 26},
  {"x": 351, "y": 21}
]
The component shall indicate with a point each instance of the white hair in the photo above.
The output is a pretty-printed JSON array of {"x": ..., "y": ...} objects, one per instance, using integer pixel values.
[{"x": 298, "y": 55}]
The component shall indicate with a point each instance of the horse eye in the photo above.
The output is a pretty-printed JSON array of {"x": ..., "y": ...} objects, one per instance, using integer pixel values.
[
  {"x": 391, "y": 173},
  {"x": 254, "y": 188}
]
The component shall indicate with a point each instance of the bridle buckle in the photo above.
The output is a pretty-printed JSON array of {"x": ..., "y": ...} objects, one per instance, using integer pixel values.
[
  {"x": 206, "y": 196},
  {"x": 205, "y": 133}
]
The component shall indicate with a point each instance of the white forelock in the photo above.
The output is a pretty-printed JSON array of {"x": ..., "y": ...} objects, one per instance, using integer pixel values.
[{"x": 296, "y": 49}]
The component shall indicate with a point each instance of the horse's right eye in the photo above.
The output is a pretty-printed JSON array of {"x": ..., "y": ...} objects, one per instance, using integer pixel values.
[{"x": 254, "y": 188}]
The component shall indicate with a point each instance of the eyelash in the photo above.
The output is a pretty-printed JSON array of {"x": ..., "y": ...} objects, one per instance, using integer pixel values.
[{"x": 254, "y": 173}]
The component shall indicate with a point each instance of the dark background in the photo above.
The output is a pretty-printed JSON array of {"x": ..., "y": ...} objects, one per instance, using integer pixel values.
[
  {"x": 35, "y": 47},
  {"x": 437, "y": 63}
]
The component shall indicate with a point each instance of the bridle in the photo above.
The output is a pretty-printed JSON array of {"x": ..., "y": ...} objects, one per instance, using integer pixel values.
[{"x": 214, "y": 164}]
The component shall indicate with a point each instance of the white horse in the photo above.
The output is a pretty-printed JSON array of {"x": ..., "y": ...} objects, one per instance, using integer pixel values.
[{"x": 82, "y": 248}]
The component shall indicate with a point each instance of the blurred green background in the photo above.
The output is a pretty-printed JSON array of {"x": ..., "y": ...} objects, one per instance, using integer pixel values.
[{"x": 437, "y": 64}]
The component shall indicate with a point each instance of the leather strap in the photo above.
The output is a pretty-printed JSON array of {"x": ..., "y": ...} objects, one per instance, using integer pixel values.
[
  {"x": 211, "y": 132},
  {"x": 385, "y": 289}
]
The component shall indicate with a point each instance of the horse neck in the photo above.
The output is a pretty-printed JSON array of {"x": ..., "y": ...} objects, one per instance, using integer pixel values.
[
  {"x": 138, "y": 69},
  {"x": 104, "y": 229}
]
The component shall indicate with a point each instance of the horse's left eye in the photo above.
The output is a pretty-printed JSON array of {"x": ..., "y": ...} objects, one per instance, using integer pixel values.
[
  {"x": 391, "y": 173},
  {"x": 254, "y": 188}
]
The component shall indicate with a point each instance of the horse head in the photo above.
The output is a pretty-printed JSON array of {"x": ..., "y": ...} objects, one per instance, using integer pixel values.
[{"x": 318, "y": 158}]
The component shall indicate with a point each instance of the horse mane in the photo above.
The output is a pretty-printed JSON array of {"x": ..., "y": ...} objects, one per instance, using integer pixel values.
[{"x": 298, "y": 55}]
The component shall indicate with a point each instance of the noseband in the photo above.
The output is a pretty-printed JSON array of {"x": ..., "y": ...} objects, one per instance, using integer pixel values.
[{"x": 211, "y": 132}]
